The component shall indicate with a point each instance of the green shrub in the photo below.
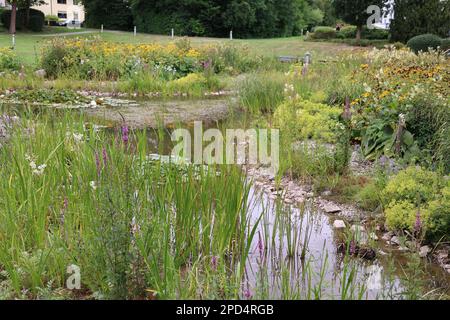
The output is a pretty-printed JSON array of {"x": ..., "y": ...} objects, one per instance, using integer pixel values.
[
  {"x": 347, "y": 32},
  {"x": 21, "y": 18},
  {"x": 308, "y": 120},
  {"x": 53, "y": 60},
  {"x": 445, "y": 44},
  {"x": 324, "y": 33},
  {"x": 418, "y": 195},
  {"x": 424, "y": 42},
  {"x": 374, "y": 34},
  {"x": 413, "y": 184},
  {"x": 36, "y": 23},
  {"x": 8, "y": 60}
]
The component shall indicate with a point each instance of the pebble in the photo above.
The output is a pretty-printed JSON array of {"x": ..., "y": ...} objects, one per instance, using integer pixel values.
[
  {"x": 424, "y": 251},
  {"x": 339, "y": 224},
  {"x": 331, "y": 208},
  {"x": 395, "y": 240}
]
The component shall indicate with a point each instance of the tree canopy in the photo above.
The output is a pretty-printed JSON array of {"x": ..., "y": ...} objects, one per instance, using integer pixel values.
[
  {"x": 415, "y": 17},
  {"x": 247, "y": 18}
]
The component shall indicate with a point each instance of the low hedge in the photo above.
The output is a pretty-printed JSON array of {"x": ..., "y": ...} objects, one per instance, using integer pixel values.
[
  {"x": 324, "y": 33},
  {"x": 423, "y": 42},
  {"x": 349, "y": 32}
]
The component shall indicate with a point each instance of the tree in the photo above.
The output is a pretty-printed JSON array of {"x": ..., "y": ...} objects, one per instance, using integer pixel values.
[
  {"x": 12, "y": 24},
  {"x": 113, "y": 14},
  {"x": 27, "y": 4},
  {"x": 355, "y": 12},
  {"x": 21, "y": 4},
  {"x": 415, "y": 17}
]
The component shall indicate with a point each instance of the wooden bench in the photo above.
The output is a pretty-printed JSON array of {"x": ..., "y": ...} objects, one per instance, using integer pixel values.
[{"x": 289, "y": 59}]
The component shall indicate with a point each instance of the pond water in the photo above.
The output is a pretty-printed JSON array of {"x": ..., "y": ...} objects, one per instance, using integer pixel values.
[{"x": 294, "y": 254}]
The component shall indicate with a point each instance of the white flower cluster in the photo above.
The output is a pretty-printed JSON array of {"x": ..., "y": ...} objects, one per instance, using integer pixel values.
[{"x": 37, "y": 170}]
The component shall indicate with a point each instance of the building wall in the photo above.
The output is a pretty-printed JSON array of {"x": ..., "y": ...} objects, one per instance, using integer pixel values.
[{"x": 69, "y": 10}]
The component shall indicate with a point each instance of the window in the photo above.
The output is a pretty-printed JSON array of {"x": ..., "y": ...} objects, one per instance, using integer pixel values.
[
  {"x": 62, "y": 14},
  {"x": 75, "y": 16},
  {"x": 76, "y": 2},
  {"x": 61, "y": 1}
]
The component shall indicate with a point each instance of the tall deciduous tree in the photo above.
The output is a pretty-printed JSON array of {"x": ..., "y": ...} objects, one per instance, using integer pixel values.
[
  {"x": 355, "y": 12},
  {"x": 113, "y": 14},
  {"x": 21, "y": 4},
  {"x": 415, "y": 17}
]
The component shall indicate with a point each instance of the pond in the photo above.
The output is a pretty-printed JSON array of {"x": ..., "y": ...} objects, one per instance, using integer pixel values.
[{"x": 295, "y": 253}]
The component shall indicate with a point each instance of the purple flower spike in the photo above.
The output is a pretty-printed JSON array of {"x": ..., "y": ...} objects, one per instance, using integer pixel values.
[
  {"x": 248, "y": 293},
  {"x": 214, "y": 263},
  {"x": 66, "y": 203},
  {"x": 105, "y": 156},
  {"x": 418, "y": 224},
  {"x": 125, "y": 134}
]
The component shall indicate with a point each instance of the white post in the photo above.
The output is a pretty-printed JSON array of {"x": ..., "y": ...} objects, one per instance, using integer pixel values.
[
  {"x": 101, "y": 29},
  {"x": 14, "y": 41},
  {"x": 231, "y": 35},
  {"x": 135, "y": 31},
  {"x": 173, "y": 33}
]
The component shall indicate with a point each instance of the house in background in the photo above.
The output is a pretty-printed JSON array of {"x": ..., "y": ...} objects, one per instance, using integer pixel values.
[
  {"x": 63, "y": 9},
  {"x": 3, "y": 4}
]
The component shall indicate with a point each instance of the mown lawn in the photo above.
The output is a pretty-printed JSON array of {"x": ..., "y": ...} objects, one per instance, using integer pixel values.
[{"x": 28, "y": 45}]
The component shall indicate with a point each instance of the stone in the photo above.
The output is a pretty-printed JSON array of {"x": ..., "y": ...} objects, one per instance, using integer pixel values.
[
  {"x": 339, "y": 224},
  {"x": 326, "y": 193},
  {"x": 442, "y": 255},
  {"x": 424, "y": 251},
  {"x": 93, "y": 104},
  {"x": 387, "y": 236},
  {"x": 41, "y": 73},
  {"x": 395, "y": 240},
  {"x": 373, "y": 236},
  {"x": 331, "y": 208},
  {"x": 309, "y": 195}
]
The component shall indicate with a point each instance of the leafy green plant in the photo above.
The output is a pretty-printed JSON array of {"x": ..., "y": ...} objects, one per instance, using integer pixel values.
[
  {"x": 418, "y": 200},
  {"x": 324, "y": 33},
  {"x": 308, "y": 120},
  {"x": 424, "y": 42},
  {"x": 8, "y": 60}
]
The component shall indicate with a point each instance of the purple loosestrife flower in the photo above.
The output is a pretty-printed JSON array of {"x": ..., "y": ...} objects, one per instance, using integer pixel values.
[
  {"x": 65, "y": 203},
  {"x": 125, "y": 132},
  {"x": 214, "y": 263},
  {"x": 248, "y": 293},
  {"x": 260, "y": 246},
  {"x": 105, "y": 156},
  {"x": 418, "y": 224}
]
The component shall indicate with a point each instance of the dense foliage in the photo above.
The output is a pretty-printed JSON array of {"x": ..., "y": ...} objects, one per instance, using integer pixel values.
[
  {"x": 252, "y": 18},
  {"x": 33, "y": 23},
  {"x": 415, "y": 17},
  {"x": 424, "y": 42},
  {"x": 355, "y": 11}
]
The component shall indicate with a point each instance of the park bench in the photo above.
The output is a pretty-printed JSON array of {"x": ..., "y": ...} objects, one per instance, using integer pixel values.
[
  {"x": 289, "y": 59},
  {"x": 292, "y": 59}
]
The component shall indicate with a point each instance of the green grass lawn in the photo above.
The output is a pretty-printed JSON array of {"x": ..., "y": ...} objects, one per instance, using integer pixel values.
[{"x": 28, "y": 44}]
